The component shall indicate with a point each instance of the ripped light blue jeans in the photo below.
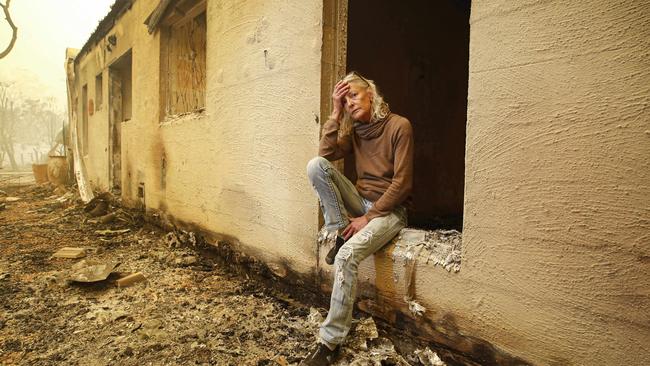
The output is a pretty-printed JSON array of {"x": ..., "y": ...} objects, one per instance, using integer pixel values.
[{"x": 339, "y": 198}]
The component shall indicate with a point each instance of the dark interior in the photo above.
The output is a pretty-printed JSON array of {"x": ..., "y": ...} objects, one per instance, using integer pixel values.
[{"x": 418, "y": 55}]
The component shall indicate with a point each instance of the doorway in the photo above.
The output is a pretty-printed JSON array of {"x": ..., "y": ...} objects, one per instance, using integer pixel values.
[
  {"x": 120, "y": 107},
  {"x": 84, "y": 119},
  {"x": 418, "y": 55}
]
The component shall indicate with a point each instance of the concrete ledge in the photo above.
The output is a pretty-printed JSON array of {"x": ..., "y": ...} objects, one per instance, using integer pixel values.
[
  {"x": 392, "y": 269},
  {"x": 415, "y": 283}
]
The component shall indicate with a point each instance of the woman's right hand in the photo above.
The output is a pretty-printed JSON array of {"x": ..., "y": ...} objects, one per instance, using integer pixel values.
[{"x": 341, "y": 89}]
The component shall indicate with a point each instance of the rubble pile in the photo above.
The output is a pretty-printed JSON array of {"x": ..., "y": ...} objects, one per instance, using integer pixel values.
[{"x": 120, "y": 291}]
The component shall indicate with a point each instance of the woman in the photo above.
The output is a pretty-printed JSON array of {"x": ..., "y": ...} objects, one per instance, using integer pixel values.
[{"x": 363, "y": 218}]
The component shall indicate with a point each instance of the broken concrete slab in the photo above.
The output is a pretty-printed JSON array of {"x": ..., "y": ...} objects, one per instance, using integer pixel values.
[
  {"x": 130, "y": 279},
  {"x": 91, "y": 271},
  {"x": 70, "y": 252}
]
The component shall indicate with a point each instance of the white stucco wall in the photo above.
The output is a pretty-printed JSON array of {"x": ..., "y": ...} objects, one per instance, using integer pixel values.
[
  {"x": 96, "y": 157},
  {"x": 132, "y": 35},
  {"x": 239, "y": 169},
  {"x": 557, "y": 207}
]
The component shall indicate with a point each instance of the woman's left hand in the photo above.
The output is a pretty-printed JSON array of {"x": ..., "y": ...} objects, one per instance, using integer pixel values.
[{"x": 356, "y": 224}]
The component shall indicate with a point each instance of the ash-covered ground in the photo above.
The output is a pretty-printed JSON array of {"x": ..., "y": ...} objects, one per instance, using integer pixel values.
[{"x": 191, "y": 309}]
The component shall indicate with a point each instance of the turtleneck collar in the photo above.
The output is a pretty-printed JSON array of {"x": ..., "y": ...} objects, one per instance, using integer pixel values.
[{"x": 371, "y": 130}]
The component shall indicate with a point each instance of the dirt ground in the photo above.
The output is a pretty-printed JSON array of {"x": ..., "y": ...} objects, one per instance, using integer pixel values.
[{"x": 190, "y": 309}]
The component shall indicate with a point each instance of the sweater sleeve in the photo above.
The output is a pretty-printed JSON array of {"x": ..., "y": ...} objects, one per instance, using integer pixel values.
[
  {"x": 402, "y": 182},
  {"x": 332, "y": 147}
]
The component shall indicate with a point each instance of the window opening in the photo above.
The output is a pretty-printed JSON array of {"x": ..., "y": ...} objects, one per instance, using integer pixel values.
[
  {"x": 98, "y": 91},
  {"x": 183, "y": 58}
]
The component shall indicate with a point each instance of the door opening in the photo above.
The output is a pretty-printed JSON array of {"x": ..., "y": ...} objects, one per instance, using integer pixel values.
[
  {"x": 120, "y": 92},
  {"x": 418, "y": 55}
]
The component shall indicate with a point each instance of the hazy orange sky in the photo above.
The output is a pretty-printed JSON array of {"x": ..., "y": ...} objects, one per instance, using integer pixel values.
[{"x": 45, "y": 29}]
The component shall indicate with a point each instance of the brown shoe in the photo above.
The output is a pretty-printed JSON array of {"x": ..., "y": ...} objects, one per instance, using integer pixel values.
[
  {"x": 331, "y": 255},
  {"x": 320, "y": 356}
]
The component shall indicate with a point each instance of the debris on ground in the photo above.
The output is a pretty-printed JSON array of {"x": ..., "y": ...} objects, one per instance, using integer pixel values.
[
  {"x": 108, "y": 218},
  {"x": 429, "y": 358},
  {"x": 60, "y": 190},
  {"x": 91, "y": 271},
  {"x": 130, "y": 280},
  {"x": 190, "y": 308},
  {"x": 364, "y": 346},
  {"x": 178, "y": 238},
  {"x": 97, "y": 206},
  {"x": 68, "y": 252},
  {"x": 109, "y": 232},
  {"x": 365, "y": 330}
]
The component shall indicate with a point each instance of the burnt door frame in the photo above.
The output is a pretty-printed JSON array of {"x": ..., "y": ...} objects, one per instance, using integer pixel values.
[
  {"x": 333, "y": 61},
  {"x": 120, "y": 93},
  {"x": 84, "y": 120}
]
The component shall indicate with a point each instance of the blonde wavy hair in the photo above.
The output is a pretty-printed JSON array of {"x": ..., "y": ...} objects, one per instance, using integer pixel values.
[{"x": 379, "y": 109}]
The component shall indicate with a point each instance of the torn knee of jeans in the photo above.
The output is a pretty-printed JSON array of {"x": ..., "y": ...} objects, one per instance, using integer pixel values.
[
  {"x": 340, "y": 278},
  {"x": 341, "y": 258},
  {"x": 315, "y": 166},
  {"x": 344, "y": 253}
]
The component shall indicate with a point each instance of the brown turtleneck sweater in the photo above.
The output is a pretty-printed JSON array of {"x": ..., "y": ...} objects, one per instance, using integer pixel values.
[{"x": 383, "y": 152}]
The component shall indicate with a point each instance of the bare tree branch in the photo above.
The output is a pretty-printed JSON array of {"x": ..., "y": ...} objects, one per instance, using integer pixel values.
[{"x": 14, "y": 29}]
